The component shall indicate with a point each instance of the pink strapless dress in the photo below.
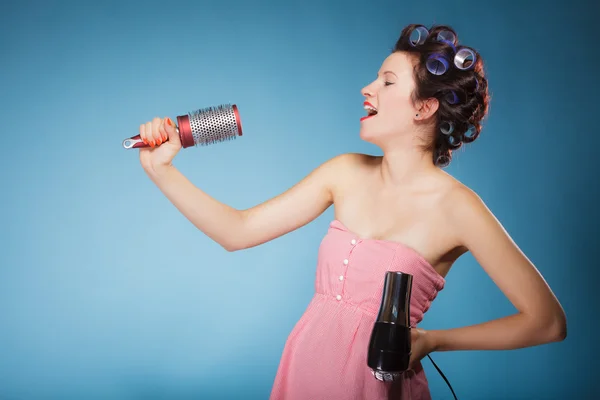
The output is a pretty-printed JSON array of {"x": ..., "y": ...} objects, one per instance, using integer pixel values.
[{"x": 325, "y": 355}]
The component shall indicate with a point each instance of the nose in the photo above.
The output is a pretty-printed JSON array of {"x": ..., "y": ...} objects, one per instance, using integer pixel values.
[{"x": 368, "y": 91}]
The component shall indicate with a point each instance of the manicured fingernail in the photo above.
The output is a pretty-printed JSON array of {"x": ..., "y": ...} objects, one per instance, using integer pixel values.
[
  {"x": 159, "y": 141},
  {"x": 169, "y": 121},
  {"x": 152, "y": 143},
  {"x": 145, "y": 140}
]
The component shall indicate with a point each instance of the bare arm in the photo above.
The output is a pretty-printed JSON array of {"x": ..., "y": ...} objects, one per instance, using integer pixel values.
[
  {"x": 237, "y": 229},
  {"x": 540, "y": 318}
]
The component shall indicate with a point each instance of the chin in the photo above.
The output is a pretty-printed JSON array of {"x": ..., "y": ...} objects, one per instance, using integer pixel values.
[
  {"x": 366, "y": 134},
  {"x": 371, "y": 135},
  {"x": 381, "y": 132}
]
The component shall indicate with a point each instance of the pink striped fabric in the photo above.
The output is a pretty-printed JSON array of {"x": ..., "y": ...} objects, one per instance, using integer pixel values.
[{"x": 325, "y": 356}]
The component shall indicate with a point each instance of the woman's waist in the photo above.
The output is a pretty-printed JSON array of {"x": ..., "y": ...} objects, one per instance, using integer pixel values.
[{"x": 346, "y": 302}]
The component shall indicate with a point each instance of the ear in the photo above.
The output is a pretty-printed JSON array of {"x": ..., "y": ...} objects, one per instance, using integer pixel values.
[{"x": 426, "y": 109}]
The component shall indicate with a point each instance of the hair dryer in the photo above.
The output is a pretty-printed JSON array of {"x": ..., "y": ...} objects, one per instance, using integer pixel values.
[{"x": 390, "y": 344}]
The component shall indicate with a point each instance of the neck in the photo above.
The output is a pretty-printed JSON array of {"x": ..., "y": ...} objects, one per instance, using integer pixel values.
[{"x": 404, "y": 165}]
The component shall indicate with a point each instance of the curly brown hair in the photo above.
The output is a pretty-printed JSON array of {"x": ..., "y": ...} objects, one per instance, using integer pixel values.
[{"x": 462, "y": 92}]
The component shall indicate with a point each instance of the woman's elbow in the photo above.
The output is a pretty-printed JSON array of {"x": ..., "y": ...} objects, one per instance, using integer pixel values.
[
  {"x": 556, "y": 328},
  {"x": 560, "y": 327},
  {"x": 233, "y": 247}
]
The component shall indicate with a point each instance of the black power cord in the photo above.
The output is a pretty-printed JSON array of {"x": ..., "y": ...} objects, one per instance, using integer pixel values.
[{"x": 443, "y": 376}]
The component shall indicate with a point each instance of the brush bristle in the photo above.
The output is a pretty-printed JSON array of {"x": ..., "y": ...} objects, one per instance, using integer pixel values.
[{"x": 215, "y": 124}]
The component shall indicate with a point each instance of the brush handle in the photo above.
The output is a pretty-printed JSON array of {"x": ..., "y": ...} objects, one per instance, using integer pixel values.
[{"x": 135, "y": 142}]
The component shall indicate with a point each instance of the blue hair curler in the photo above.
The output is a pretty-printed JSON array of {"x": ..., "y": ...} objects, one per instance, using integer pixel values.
[
  {"x": 471, "y": 132},
  {"x": 465, "y": 58},
  {"x": 443, "y": 160},
  {"x": 454, "y": 142},
  {"x": 437, "y": 64},
  {"x": 422, "y": 33},
  {"x": 449, "y": 43},
  {"x": 446, "y": 127},
  {"x": 451, "y": 97},
  {"x": 447, "y": 36}
]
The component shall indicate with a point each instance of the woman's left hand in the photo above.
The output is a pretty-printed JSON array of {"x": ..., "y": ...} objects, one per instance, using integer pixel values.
[{"x": 421, "y": 344}]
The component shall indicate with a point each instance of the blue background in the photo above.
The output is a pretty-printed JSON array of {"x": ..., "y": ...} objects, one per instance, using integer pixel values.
[{"x": 107, "y": 292}]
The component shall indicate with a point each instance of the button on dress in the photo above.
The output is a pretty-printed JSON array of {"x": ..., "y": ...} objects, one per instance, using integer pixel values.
[{"x": 325, "y": 355}]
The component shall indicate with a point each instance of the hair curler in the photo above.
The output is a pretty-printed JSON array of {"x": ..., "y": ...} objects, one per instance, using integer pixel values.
[
  {"x": 465, "y": 58},
  {"x": 390, "y": 344},
  {"x": 202, "y": 127},
  {"x": 437, "y": 64},
  {"x": 421, "y": 36}
]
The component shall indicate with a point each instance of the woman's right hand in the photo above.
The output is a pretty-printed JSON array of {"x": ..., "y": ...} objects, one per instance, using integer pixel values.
[{"x": 163, "y": 144}]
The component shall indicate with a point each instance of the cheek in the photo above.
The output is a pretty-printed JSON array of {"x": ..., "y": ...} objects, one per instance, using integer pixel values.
[{"x": 398, "y": 107}]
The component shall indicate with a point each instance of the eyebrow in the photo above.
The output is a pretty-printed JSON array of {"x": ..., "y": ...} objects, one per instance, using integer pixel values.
[{"x": 388, "y": 72}]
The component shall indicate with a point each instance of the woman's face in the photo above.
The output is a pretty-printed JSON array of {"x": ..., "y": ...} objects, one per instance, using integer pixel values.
[{"x": 390, "y": 95}]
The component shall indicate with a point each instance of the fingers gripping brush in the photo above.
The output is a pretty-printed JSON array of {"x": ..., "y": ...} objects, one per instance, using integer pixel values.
[{"x": 202, "y": 127}]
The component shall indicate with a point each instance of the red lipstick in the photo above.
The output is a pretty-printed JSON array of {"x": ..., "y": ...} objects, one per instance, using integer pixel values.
[{"x": 370, "y": 109}]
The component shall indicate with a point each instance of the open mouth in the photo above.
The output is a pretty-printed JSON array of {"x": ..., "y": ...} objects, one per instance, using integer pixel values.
[{"x": 371, "y": 111}]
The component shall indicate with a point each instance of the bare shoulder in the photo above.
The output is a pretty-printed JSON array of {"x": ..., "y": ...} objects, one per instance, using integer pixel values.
[
  {"x": 346, "y": 165},
  {"x": 353, "y": 160},
  {"x": 329, "y": 172},
  {"x": 462, "y": 200},
  {"x": 468, "y": 216}
]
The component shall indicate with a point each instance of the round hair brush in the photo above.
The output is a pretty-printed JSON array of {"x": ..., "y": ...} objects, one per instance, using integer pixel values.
[{"x": 202, "y": 127}]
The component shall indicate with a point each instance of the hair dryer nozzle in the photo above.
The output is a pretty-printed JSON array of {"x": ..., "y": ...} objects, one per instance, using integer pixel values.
[{"x": 390, "y": 344}]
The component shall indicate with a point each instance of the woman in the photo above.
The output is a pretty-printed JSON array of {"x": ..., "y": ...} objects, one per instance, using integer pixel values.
[{"x": 395, "y": 212}]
